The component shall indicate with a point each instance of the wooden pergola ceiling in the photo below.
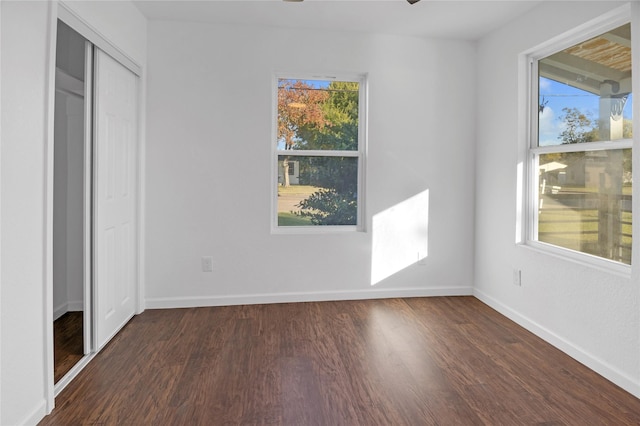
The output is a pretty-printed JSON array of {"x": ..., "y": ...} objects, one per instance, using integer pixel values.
[{"x": 606, "y": 58}]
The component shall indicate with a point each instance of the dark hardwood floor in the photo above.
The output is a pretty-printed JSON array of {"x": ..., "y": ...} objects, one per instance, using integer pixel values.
[
  {"x": 422, "y": 361},
  {"x": 67, "y": 343}
]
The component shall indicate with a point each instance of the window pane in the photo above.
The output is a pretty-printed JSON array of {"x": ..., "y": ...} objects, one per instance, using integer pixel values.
[
  {"x": 317, "y": 115},
  {"x": 321, "y": 191},
  {"x": 585, "y": 202},
  {"x": 584, "y": 91}
]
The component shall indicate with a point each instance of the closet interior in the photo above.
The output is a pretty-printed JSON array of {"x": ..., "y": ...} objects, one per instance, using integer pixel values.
[{"x": 69, "y": 202}]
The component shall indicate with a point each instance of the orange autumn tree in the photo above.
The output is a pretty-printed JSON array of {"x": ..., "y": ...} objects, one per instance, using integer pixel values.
[{"x": 299, "y": 105}]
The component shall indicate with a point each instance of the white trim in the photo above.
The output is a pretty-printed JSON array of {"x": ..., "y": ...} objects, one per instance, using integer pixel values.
[
  {"x": 72, "y": 306},
  {"x": 293, "y": 297},
  {"x": 59, "y": 311},
  {"x": 1, "y": 222},
  {"x": 354, "y": 77},
  {"x": 584, "y": 259},
  {"x": 317, "y": 153},
  {"x": 603, "y": 23},
  {"x": 87, "y": 213},
  {"x": 75, "y": 306},
  {"x": 48, "y": 217},
  {"x": 363, "y": 147},
  {"x": 36, "y": 415},
  {"x": 583, "y": 147},
  {"x": 524, "y": 132},
  {"x": 635, "y": 207},
  {"x": 310, "y": 230},
  {"x": 635, "y": 155},
  {"x": 69, "y": 17},
  {"x": 141, "y": 190},
  {"x": 600, "y": 366},
  {"x": 72, "y": 373}
]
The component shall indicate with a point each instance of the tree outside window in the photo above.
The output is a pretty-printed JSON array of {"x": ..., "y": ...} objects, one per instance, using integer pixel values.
[{"x": 318, "y": 131}]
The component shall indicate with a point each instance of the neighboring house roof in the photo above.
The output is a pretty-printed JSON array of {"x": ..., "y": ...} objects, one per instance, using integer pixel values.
[{"x": 554, "y": 165}]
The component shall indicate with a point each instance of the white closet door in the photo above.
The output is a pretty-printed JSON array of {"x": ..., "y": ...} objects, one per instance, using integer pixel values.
[{"x": 115, "y": 175}]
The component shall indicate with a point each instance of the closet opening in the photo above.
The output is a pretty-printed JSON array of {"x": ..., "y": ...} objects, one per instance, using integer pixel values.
[
  {"x": 94, "y": 198},
  {"x": 71, "y": 204}
]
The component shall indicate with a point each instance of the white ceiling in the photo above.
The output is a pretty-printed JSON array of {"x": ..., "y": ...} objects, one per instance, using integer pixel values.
[{"x": 451, "y": 19}]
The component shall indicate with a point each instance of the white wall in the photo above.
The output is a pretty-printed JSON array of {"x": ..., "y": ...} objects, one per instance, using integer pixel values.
[
  {"x": 68, "y": 239},
  {"x": 75, "y": 203},
  {"x": 592, "y": 314},
  {"x": 24, "y": 57},
  {"x": 60, "y": 207},
  {"x": 25, "y": 36},
  {"x": 119, "y": 22},
  {"x": 209, "y": 112}
]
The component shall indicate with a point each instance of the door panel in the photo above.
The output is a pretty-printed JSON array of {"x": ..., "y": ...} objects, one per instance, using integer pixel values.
[{"x": 115, "y": 171}]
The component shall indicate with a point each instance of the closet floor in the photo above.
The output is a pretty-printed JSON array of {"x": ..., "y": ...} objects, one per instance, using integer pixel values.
[{"x": 68, "y": 345}]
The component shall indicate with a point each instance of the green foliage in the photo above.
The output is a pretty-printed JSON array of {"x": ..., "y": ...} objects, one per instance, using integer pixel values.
[
  {"x": 627, "y": 163},
  {"x": 578, "y": 127},
  {"x": 627, "y": 128},
  {"x": 330, "y": 207},
  {"x": 292, "y": 219},
  {"x": 339, "y": 173},
  {"x": 336, "y": 202},
  {"x": 340, "y": 111}
]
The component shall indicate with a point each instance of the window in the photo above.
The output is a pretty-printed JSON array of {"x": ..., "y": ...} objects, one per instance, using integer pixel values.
[
  {"x": 319, "y": 146},
  {"x": 581, "y": 147}
]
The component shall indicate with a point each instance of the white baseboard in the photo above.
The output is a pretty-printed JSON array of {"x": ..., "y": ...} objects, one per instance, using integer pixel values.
[
  {"x": 36, "y": 415},
  {"x": 59, "y": 311},
  {"x": 601, "y": 367},
  {"x": 72, "y": 306},
  {"x": 254, "y": 299},
  {"x": 75, "y": 306}
]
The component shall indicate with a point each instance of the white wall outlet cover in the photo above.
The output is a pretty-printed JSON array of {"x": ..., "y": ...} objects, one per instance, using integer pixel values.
[{"x": 207, "y": 264}]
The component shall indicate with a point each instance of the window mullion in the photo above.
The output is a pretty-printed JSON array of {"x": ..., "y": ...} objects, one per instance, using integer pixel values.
[
  {"x": 583, "y": 147},
  {"x": 317, "y": 153}
]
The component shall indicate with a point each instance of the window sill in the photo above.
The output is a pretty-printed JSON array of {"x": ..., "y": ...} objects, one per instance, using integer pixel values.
[
  {"x": 583, "y": 259},
  {"x": 314, "y": 230}
]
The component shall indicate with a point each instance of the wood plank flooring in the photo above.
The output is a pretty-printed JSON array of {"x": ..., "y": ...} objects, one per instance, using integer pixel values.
[
  {"x": 68, "y": 344},
  {"x": 422, "y": 361}
]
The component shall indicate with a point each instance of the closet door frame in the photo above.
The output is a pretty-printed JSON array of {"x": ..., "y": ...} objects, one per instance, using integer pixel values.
[
  {"x": 88, "y": 331},
  {"x": 59, "y": 11}
]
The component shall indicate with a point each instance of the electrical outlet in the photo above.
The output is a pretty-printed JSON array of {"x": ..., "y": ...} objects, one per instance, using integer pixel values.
[
  {"x": 207, "y": 264},
  {"x": 517, "y": 277}
]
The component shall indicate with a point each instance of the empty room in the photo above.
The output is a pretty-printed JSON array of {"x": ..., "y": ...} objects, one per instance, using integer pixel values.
[{"x": 345, "y": 212}]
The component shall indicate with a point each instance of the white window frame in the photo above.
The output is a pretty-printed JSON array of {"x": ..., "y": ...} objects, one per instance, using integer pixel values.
[
  {"x": 528, "y": 220},
  {"x": 360, "y": 154}
]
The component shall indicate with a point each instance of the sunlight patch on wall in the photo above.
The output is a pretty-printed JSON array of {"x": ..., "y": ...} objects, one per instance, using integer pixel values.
[
  {"x": 400, "y": 237},
  {"x": 519, "y": 201}
]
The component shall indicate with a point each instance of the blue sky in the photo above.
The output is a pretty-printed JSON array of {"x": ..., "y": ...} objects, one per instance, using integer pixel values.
[
  {"x": 559, "y": 96},
  {"x": 318, "y": 84}
]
